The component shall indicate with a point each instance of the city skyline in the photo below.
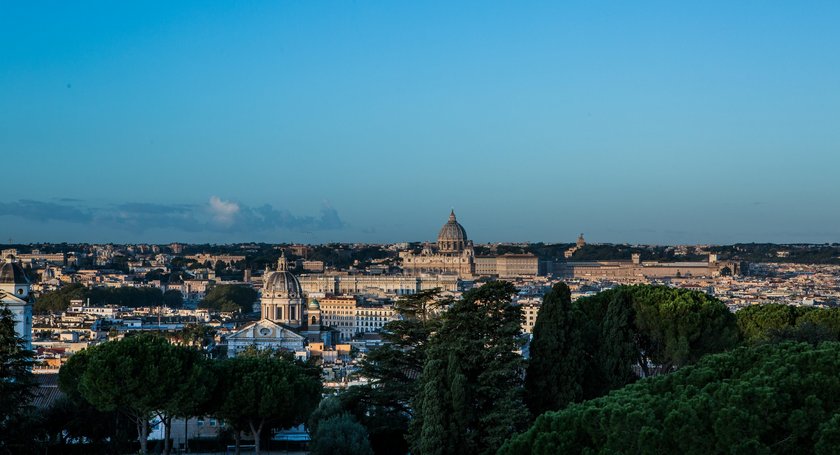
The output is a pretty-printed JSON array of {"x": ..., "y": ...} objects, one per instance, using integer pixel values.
[{"x": 647, "y": 123}]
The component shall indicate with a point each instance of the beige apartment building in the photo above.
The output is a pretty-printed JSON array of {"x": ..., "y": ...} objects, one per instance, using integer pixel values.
[{"x": 339, "y": 312}]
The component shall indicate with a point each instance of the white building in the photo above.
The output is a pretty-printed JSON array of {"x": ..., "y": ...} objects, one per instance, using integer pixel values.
[{"x": 14, "y": 295}]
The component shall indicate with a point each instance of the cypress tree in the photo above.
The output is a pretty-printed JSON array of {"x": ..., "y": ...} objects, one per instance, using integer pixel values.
[
  {"x": 557, "y": 363},
  {"x": 617, "y": 351}
]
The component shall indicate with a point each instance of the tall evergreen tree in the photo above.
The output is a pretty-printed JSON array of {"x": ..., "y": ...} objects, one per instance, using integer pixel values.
[
  {"x": 617, "y": 352},
  {"x": 16, "y": 382},
  {"x": 470, "y": 393},
  {"x": 557, "y": 363},
  {"x": 383, "y": 405}
]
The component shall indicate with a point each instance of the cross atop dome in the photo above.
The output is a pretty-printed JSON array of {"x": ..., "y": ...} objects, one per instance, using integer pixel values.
[{"x": 452, "y": 215}]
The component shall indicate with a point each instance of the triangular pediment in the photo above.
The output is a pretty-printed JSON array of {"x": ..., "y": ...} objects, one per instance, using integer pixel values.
[
  {"x": 7, "y": 298},
  {"x": 264, "y": 329}
]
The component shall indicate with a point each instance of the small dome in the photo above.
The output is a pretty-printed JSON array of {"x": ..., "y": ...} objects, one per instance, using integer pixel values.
[
  {"x": 452, "y": 236},
  {"x": 314, "y": 304},
  {"x": 12, "y": 273}
]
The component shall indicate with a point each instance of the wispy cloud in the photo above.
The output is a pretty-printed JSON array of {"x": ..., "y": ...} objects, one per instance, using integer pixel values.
[
  {"x": 217, "y": 215},
  {"x": 223, "y": 212}
]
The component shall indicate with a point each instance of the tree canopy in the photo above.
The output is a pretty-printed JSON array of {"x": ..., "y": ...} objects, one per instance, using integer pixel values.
[
  {"x": 340, "y": 435},
  {"x": 383, "y": 405},
  {"x": 582, "y": 350},
  {"x": 773, "y": 398},
  {"x": 230, "y": 297},
  {"x": 59, "y": 300},
  {"x": 144, "y": 375},
  {"x": 557, "y": 358},
  {"x": 469, "y": 398},
  {"x": 265, "y": 391},
  {"x": 649, "y": 330},
  {"x": 761, "y": 323}
]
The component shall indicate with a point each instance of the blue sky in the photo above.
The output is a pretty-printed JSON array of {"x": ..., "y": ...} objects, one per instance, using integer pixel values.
[{"x": 650, "y": 122}]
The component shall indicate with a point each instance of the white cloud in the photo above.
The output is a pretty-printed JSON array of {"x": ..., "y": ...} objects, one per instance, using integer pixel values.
[{"x": 223, "y": 211}]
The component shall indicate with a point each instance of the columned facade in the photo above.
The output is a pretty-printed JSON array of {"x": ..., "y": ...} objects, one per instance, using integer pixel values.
[{"x": 282, "y": 298}]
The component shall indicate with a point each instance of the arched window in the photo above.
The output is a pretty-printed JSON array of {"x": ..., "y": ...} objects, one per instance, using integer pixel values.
[{"x": 314, "y": 321}]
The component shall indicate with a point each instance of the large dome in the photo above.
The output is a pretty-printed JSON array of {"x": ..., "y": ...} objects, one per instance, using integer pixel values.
[
  {"x": 452, "y": 237},
  {"x": 12, "y": 273},
  {"x": 282, "y": 283}
]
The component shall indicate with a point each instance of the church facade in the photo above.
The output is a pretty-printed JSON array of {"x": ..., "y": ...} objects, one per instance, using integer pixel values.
[
  {"x": 287, "y": 320},
  {"x": 453, "y": 254}
]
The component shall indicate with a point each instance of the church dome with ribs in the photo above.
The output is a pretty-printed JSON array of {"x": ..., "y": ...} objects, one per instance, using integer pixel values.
[
  {"x": 452, "y": 237},
  {"x": 282, "y": 283},
  {"x": 12, "y": 273}
]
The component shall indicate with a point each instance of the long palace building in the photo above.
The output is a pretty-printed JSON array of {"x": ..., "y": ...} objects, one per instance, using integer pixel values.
[{"x": 637, "y": 270}]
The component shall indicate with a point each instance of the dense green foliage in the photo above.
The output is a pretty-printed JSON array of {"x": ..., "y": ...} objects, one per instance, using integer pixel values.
[
  {"x": 774, "y": 398},
  {"x": 774, "y": 322},
  {"x": 173, "y": 298},
  {"x": 383, "y": 405},
  {"x": 557, "y": 355},
  {"x": 582, "y": 350},
  {"x": 260, "y": 391},
  {"x": 16, "y": 383},
  {"x": 230, "y": 297},
  {"x": 655, "y": 328},
  {"x": 470, "y": 392},
  {"x": 145, "y": 376},
  {"x": 340, "y": 435},
  {"x": 72, "y": 416},
  {"x": 142, "y": 376},
  {"x": 59, "y": 300}
]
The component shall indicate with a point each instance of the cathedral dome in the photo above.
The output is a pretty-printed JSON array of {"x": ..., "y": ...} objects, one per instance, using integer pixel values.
[
  {"x": 12, "y": 273},
  {"x": 452, "y": 237},
  {"x": 282, "y": 283}
]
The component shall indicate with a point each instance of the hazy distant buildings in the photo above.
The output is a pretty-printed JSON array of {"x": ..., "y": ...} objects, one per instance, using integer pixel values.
[
  {"x": 346, "y": 284},
  {"x": 507, "y": 266},
  {"x": 638, "y": 270},
  {"x": 454, "y": 254}
]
